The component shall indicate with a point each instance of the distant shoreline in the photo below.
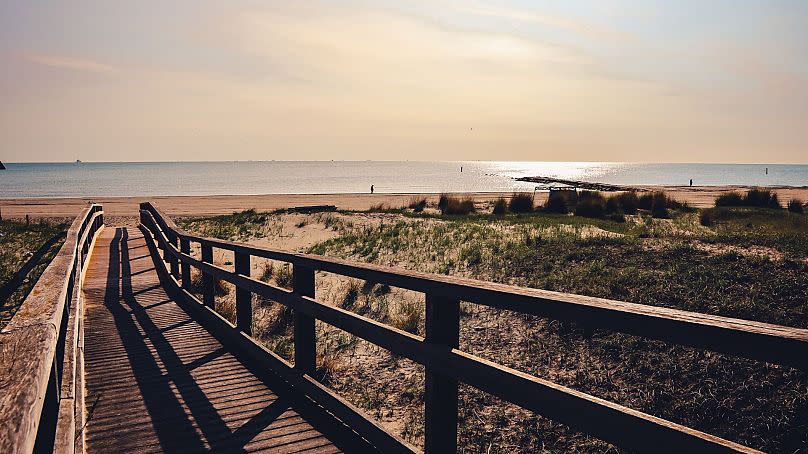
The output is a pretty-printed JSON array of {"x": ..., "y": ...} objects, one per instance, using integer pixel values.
[{"x": 65, "y": 207}]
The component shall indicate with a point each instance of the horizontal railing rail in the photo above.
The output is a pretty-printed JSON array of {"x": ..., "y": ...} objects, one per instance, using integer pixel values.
[
  {"x": 446, "y": 365},
  {"x": 41, "y": 403}
]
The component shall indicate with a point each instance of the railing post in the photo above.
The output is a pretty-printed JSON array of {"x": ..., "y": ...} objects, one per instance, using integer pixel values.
[
  {"x": 175, "y": 263},
  {"x": 207, "y": 280},
  {"x": 185, "y": 248},
  {"x": 440, "y": 394},
  {"x": 243, "y": 297},
  {"x": 305, "y": 337}
]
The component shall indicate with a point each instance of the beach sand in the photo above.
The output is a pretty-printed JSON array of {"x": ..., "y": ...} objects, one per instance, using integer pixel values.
[{"x": 127, "y": 207}]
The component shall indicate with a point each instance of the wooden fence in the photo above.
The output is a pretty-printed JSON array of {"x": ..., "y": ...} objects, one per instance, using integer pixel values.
[
  {"x": 445, "y": 364},
  {"x": 41, "y": 358}
]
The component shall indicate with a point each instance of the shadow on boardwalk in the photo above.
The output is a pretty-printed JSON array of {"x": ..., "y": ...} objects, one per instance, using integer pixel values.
[{"x": 159, "y": 382}]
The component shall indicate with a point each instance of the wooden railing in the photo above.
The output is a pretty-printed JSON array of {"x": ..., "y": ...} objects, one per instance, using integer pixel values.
[
  {"x": 41, "y": 362},
  {"x": 445, "y": 364}
]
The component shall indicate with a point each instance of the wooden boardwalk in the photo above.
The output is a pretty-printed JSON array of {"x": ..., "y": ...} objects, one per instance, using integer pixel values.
[{"x": 157, "y": 381}]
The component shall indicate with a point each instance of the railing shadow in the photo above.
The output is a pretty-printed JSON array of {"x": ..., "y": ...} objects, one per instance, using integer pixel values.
[{"x": 182, "y": 415}]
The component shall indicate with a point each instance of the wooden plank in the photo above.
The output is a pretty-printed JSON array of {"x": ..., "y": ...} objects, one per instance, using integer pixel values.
[
  {"x": 208, "y": 285},
  {"x": 173, "y": 262},
  {"x": 440, "y": 392},
  {"x": 243, "y": 296},
  {"x": 305, "y": 337},
  {"x": 185, "y": 248}
]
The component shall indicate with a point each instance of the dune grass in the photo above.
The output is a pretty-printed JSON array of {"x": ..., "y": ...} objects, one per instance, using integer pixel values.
[
  {"x": 521, "y": 203},
  {"x": 683, "y": 265},
  {"x": 18, "y": 243},
  {"x": 741, "y": 262},
  {"x": 452, "y": 205},
  {"x": 760, "y": 198}
]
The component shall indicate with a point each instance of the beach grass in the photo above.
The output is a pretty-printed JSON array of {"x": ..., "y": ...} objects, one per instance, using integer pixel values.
[
  {"x": 19, "y": 243},
  {"x": 743, "y": 262}
]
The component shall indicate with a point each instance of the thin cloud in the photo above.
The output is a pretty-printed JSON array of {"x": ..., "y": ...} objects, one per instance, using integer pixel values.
[
  {"x": 76, "y": 64},
  {"x": 587, "y": 30}
]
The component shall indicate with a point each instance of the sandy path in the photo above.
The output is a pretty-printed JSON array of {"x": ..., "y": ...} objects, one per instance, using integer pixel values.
[{"x": 698, "y": 196}]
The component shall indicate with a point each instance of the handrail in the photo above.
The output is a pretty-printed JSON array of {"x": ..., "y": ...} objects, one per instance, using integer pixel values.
[
  {"x": 40, "y": 348},
  {"x": 447, "y": 365}
]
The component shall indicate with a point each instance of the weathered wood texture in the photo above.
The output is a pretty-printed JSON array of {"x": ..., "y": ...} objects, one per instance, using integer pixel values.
[
  {"x": 157, "y": 381},
  {"x": 447, "y": 365},
  {"x": 38, "y": 351}
]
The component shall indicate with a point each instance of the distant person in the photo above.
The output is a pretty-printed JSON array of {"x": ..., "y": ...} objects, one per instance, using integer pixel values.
[
  {"x": 691, "y": 182},
  {"x": 461, "y": 169},
  {"x": 371, "y": 189}
]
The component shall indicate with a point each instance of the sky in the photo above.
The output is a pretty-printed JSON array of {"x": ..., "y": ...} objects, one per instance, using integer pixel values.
[{"x": 540, "y": 80}]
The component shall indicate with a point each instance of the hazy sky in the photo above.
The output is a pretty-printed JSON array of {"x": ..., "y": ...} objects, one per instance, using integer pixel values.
[{"x": 594, "y": 80}]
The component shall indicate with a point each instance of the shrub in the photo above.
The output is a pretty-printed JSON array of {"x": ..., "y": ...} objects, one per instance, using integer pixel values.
[
  {"x": 612, "y": 205},
  {"x": 328, "y": 367},
  {"x": 417, "y": 204},
  {"x": 645, "y": 201},
  {"x": 267, "y": 271},
  {"x": 500, "y": 206},
  {"x": 278, "y": 320},
  {"x": 351, "y": 295},
  {"x": 197, "y": 285},
  {"x": 283, "y": 276},
  {"x": 729, "y": 199},
  {"x": 795, "y": 206},
  {"x": 455, "y": 205},
  {"x": 628, "y": 202},
  {"x": 591, "y": 195},
  {"x": 443, "y": 201},
  {"x": 521, "y": 203},
  {"x": 557, "y": 203},
  {"x": 591, "y": 207},
  {"x": 761, "y": 198},
  {"x": 658, "y": 204},
  {"x": 706, "y": 218},
  {"x": 774, "y": 202},
  {"x": 408, "y": 317}
]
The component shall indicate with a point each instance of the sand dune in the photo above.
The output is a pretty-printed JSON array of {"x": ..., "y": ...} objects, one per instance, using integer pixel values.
[{"x": 698, "y": 196}]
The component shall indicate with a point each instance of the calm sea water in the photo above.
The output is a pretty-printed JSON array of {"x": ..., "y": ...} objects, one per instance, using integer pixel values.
[{"x": 306, "y": 177}]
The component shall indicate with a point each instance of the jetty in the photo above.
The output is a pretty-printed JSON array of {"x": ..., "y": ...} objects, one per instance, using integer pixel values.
[
  {"x": 116, "y": 349},
  {"x": 580, "y": 184}
]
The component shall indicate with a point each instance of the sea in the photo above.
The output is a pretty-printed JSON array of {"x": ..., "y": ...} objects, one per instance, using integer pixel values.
[{"x": 110, "y": 179}]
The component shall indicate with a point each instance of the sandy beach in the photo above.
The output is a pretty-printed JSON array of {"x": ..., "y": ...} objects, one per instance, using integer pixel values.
[{"x": 697, "y": 196}]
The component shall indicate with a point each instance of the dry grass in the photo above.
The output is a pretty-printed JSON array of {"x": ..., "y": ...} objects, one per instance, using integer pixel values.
[
  {"x": 455, "y": 205},
  {"x": 521, "y": 203},
  {"x": 220, "y": 287},
  {"x": 417, "y": 204},
  {"x": 283, "y": 276},
  {"x": 408, "y": 317}
]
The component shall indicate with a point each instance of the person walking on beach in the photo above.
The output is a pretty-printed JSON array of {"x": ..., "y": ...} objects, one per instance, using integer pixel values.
[
  {"x": 371, "y": 189},
  {"x": 691, "y": 182}
]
